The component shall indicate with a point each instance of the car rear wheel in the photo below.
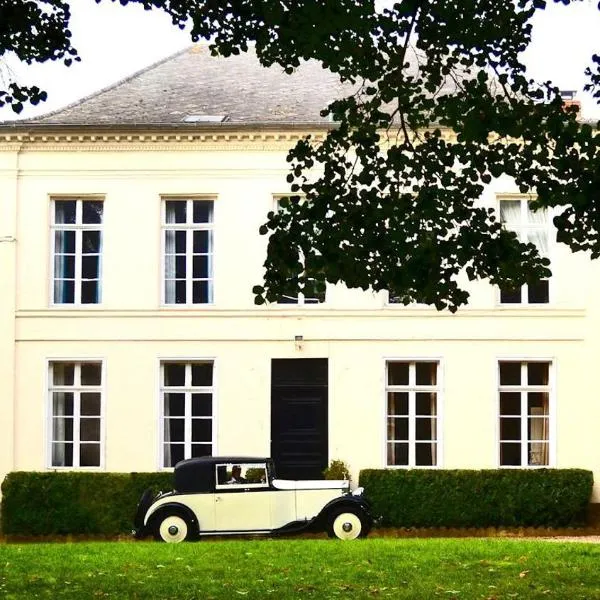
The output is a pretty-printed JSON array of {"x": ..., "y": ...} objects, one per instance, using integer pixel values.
[
  {"x": 347, "y": 524},
  {"x": 172, "y": 529}
]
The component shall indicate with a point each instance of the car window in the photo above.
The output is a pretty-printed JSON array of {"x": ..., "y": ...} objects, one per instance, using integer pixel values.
[{"x": 241, "y": 475}]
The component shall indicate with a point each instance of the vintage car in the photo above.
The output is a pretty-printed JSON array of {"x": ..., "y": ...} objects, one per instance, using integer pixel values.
[{"x": 241, "y": 495}]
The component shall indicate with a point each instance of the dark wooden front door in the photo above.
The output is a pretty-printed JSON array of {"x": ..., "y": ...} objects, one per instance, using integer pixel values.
[{"x": 299, "y": 417}]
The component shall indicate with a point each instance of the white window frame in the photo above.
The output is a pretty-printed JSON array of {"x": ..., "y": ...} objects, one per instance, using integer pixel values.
[
  {"x": 188, "y": 390},
  {"x": 412, "y": 389},
  {"x": 78, "y": 227},
  {"x": 523, "y": 389},
  {"x": 300, "y": 299},
  {"x": 189, "y": 227},
  {"x": 76, "y": 389},
  {"x": 524, "y": 227}
]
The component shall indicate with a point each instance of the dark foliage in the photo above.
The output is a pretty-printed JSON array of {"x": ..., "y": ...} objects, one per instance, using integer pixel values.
[
  {"x": 36, "y": 503},
  {"x": 488, "y": 498}
]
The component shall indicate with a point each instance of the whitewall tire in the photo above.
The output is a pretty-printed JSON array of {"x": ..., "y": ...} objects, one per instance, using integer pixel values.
[
  {"x": 346, "y": 525},
  {"x": 172, "y": 529}
]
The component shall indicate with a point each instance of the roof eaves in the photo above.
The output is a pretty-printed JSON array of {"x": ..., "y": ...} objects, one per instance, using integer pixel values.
[{"x": 21, "y": 126}]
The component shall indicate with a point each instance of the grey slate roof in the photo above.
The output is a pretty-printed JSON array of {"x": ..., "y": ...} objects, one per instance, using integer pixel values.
[{"x": 193, "y": 82}]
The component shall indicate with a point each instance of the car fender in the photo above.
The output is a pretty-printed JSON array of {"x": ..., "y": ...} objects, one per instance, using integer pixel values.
[
  {"x": 345, "y": 501},
  {"x": 156, "y": 513}
]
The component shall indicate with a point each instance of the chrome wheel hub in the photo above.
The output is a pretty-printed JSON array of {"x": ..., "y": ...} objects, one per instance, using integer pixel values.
[{"x": 173, "y": 530}]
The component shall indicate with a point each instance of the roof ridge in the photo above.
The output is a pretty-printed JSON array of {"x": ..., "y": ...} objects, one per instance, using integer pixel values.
[{"x": 112, "y": 86}]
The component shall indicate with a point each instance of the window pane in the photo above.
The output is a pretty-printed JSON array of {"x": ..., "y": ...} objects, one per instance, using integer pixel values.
[
  {"x": 510, "y": 429},
  {"x": 175, "y": 241},
  {"x": 537, "y": 403},
  {"x": 64, "y": 212},
  {"x": 91, "y": 373},
  {"x": 174, "y": 404},
  {"x": 180, "y": 267},
  {"x": 426, "y": 373},
  {"x": 62, "y": 429},
  {"x": 538, "y": 453},
  {"x": 173, "y": 454},
  {"x": 426, "y": 403},
  {"x": 201, "y": 430},
  {"x": 538, "y": 293},
  {"x": 510, "y": 296},
  {"x": 64, "y": 266},
  {"x": 537, "y": 373},
  {"x": 539, "y": 238},
  {"x": 201, "y": 292},
  {"x": 174, "y": 430},
  {"x": 180, "y": 292},
  {"x": 89, "y": 455},
  {"x": 510, "y": 213},
  {"x": 203, "y": 211},
  {"x": 397, "y": 454},
  {"x": 64, "y": 242},
  {"x": 425, "y": 429},
  {"x": 89, "y": 430},
  {"x": 89, "y": 292},
  {"x": 90, "y": 404},
  {"x": 398, "y": 373},
  {"x": 62, "y": 404},
  {"x": 62, "y": 455},
  {"x": 202, "y": 374},
  {"x": 397, "y": 428},
  {"x": 176, "y": 211},
  {"x": 510, "y": 373},
  {"x": 201, "y": 450},
  {"x": 200, "y": 269},
  {"x": 397, "y": 403},
  {"x": 202, "y": 242},
  {"x": 90, "y": 242},
  {"x": 89, "y": 266},
  {"x": 510, "y": 455},
  {"x": 64, "y": 291},
  {"x": 510, "y": 403},
  {"x": 201, "y": 405},
  {"x": 63, "y": 373},
  {"x": 92, "y": 212},
  {"x": 174, "y": 374},
  {"x": 537, "y": 428},
  {"x": 426, "y": 455}
]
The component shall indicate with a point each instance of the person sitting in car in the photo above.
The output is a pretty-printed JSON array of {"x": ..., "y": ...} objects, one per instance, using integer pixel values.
[{"x": 236, "y": 475}]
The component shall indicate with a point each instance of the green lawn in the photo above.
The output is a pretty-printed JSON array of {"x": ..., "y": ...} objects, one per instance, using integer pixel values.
[{"x": 307, "y": 568}]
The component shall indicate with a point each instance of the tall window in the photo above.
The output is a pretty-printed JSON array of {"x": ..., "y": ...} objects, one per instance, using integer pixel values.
[
  {"x": 412, "y": 413},
  {"x": 77, "y": 251},
  {"x": 524, "y": 413},
  {"x": 303, "y": 297},
  {"x": 188, "y": 251},
  {"x": 187, "y": 410},
  {"x": 76, "y": 414},
  {"x": 531, "y": 227}
]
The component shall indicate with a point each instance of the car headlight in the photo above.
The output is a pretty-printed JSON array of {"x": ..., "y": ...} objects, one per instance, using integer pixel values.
[{"x": 358, "y": 491}]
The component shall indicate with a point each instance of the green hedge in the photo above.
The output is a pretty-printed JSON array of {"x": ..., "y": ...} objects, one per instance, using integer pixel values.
[
  {"x": 489, "y": 498},
  {"x": 74, "y": 503}
]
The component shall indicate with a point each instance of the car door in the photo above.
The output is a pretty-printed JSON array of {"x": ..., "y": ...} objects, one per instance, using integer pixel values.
[{"x": 242, "y": 505}]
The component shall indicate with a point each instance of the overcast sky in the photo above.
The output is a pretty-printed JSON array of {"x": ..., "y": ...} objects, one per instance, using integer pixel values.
[{"x": 115, "y": 41}]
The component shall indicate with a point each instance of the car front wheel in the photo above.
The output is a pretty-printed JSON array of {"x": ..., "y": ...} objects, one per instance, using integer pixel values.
[
  {"x": 347, "y": 524},
  {"x": 172, "y": 529}
]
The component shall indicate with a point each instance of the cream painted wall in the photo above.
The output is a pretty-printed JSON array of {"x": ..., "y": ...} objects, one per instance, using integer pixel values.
[
  {"x": 8, "y": 261},
  {"x": 356, "y": 331}
]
